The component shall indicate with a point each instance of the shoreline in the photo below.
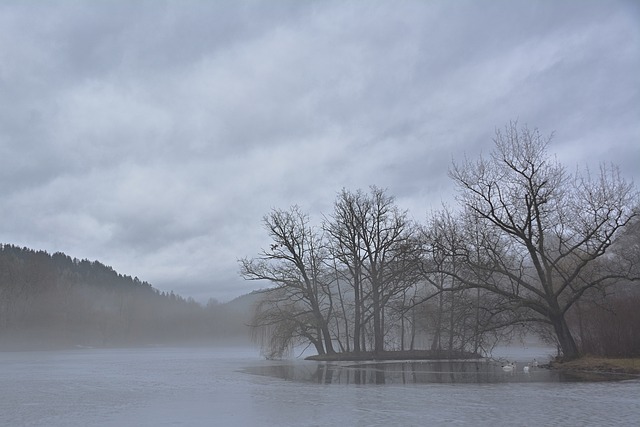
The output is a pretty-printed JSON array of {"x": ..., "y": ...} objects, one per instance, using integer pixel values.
[
  {"x": 620, "y": 365},
  {"x": 584, "y": 364}
]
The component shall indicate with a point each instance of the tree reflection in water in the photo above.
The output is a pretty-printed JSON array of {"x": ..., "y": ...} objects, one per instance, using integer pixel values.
[{"x": 414, "y": 372}]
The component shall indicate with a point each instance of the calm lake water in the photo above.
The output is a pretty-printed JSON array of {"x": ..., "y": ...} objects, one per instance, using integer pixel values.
[{"x": 234, "y": 386}]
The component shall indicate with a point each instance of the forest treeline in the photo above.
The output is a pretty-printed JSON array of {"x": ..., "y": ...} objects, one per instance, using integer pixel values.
[
  {"x": 53, "y": 300},
  {"x": 530, "y": 249}
]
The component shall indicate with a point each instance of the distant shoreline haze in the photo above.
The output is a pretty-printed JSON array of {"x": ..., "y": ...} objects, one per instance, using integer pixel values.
[{"x": 55, "y": 301}]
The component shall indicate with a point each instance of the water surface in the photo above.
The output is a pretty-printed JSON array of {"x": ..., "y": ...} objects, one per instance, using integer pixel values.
[
  {"x": 423, "y": 372},
  {"x": 206, "y": 386}
]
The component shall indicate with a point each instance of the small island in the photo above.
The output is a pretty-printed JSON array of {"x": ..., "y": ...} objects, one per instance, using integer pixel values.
[{"x": 529, "y": 250}]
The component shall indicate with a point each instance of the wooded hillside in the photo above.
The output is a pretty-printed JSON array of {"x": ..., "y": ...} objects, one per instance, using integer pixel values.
[{"x": 53, "y": 300}]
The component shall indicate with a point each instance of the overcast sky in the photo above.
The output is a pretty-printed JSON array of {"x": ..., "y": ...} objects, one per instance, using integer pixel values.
[{"x": 153, "y": 136}]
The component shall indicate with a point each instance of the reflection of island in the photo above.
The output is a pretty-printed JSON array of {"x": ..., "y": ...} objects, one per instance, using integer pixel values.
[
  {"x": 399, "y": 355},
  {"x": 407, "y": 372},
  {"x": 412, "y": 372}
]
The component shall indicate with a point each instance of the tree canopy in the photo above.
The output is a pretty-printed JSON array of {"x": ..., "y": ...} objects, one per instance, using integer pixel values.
[{"x": 527, "y": 242}]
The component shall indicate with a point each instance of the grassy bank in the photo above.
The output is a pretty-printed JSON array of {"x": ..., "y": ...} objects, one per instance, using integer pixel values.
[{"x": 600, "y": 364}]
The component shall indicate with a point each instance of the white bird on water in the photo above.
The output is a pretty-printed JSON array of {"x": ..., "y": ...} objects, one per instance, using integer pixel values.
[
  {"x": 509, "y": 367},
  {"x": 526, "y": 369}
]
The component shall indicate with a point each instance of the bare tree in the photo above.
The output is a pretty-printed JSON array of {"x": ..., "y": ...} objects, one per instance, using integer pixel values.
[
  {"x": 347, "y": 249},
  {"x": 280, "y": 322},
  {"x": 371, "y": 238},
  {"x": 295, "y": 264},
  {"x": 607, "y": 320},
  {"x": 534, "y": 234},
  {"x": 462, "y": 319}
]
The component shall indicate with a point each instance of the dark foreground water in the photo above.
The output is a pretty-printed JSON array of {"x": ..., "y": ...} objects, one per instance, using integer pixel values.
[{"x": 235, "y": 387}]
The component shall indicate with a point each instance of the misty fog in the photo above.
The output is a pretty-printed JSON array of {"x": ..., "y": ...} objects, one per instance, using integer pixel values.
[{"x": 159, "y": 136}]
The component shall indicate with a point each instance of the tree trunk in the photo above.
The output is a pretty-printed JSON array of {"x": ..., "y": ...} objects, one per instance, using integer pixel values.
[
  {"x": 357, "y": 324},
  {"x": 565, "y": 339},
  {"x": 476, "y": 328},
  {"x": 328, "y": 342},
  {"x": 436, "y": 343},
  {"x": 318, "y": 345},
  {"x": 344, "y": 313},
  {"x": 413, "y": 328},
  {"x": 451, "y": 321},
  {"x": 378, "y": 337}
]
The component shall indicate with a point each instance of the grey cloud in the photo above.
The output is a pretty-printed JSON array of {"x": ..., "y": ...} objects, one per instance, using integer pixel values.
[{"x": 154, "y": 135}]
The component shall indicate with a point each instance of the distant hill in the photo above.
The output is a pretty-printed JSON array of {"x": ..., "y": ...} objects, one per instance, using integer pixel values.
[
  {"x": 232, "y": 319},
  {"x": 53, "y": 300},
  {"x": 245, "y": 303}
]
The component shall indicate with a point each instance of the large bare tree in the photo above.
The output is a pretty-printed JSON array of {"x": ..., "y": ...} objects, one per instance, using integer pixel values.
[
  {"x": 535, "y": 234},
  {"x": 301, "y": 301},
  {"x": 371, "y": 238},
  {"x": 347, "y": 250}
]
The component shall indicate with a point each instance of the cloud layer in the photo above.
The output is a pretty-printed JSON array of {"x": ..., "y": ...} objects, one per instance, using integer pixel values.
[{"x": 154, "y": 135}]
